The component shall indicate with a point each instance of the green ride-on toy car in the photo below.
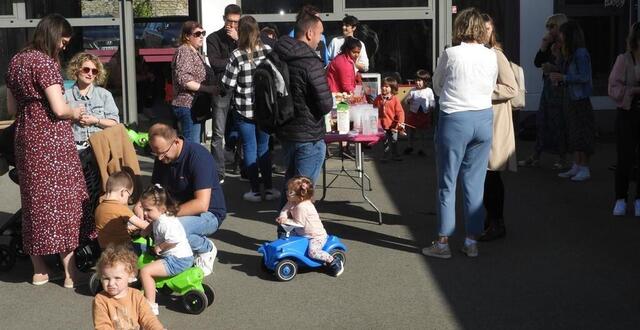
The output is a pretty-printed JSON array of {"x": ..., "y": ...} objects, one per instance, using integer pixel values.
[{"x": 196, "y": 296}]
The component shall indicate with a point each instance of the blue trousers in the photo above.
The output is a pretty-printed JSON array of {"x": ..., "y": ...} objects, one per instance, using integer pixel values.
[
  {"x": 189, "y": 129},
  {"x": 197, "y": 227},
  {"x": 255, "y": 147},
  {"x": 302, "y": 158},
  {"x": 463, "y": 143}
]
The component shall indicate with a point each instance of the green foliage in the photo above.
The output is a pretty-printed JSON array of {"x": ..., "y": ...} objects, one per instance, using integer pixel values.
[{"x": 142, "y": 8}]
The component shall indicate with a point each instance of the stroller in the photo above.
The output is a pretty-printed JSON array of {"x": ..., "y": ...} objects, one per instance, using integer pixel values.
[{"x": 11, "y": 246}]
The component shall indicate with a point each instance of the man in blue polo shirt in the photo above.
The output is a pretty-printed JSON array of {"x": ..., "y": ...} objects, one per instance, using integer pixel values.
[{"x": 188, "y": 172}]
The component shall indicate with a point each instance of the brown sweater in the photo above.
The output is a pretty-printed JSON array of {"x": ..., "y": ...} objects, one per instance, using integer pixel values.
[{"x": 131, "y": 312}]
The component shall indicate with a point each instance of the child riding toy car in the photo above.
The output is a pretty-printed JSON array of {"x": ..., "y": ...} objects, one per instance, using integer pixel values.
[
  {"x": 196, "y": 296},
  {"x": 283, "y": 256}
]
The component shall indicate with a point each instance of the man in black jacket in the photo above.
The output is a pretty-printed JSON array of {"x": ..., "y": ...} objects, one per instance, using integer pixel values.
[
  {"x": 220, "y": 44},
  {"x": 303, "y": 137}
]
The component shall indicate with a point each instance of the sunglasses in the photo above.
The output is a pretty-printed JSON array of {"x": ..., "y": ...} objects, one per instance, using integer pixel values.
[
  {"x": 199, "y": 34},
  {"x": 87, "y": 70}
]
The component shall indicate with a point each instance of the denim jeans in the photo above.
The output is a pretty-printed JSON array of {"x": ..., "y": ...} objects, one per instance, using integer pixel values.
[
  {"x": 255, "y": 145},
  {"x": 197, "y": 228},
  {"x": 463, "y": 143},
  {"x": 189, "y": 129},
  {"x": 221, "y": 106},
  {"x": 302, "y": 158}
]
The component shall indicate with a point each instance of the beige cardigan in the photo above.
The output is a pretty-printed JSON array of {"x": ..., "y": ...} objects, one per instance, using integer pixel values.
[{"x": 503, "y": 147}]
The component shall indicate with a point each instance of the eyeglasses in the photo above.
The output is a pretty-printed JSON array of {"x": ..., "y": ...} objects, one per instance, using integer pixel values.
[
  {"x": 87, "y": 70},
  {"x": 199, "y": 34},
  {"x": 231, "y": 21},
  {"x": 161, "y": 155}
]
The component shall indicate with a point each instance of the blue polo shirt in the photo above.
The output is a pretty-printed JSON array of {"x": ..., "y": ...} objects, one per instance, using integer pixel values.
[{"x": 194, "y": 169}]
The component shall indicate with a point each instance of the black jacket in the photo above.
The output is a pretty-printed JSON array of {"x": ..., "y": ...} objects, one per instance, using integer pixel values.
[
  {"x": 219, "y": 49},
  {"x": 309, "y": 90}
]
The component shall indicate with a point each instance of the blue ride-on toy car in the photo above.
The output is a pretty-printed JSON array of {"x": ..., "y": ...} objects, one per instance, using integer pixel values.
[
  {"x": 196, "y": 295},
  {"x": 283, "y": 256}
]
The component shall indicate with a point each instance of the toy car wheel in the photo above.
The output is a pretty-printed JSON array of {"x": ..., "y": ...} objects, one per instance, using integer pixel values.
[
  {"x": 194, "y": 302},
  {"x": 339, "y": 254},
  {"x": 286, "y": 270},
  {"x": 7, "y": 258},
  {"x": 211, "y": 296},
  {"x": 95, "y": 285}
]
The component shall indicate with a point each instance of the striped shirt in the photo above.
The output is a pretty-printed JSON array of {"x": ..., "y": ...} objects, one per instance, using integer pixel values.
[{"x": 238, "y": 77}]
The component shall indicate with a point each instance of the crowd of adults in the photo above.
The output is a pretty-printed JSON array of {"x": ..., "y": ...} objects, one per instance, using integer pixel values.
[{"x": 474, "y": 139}]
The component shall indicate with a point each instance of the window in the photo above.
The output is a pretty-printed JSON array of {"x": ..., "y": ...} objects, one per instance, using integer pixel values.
[
  {"x": 283, "y": 6},
  {"x": 385, "y": 3},
  {"x": 73, "y": 9},
  {"x": 6, "y": 8}
]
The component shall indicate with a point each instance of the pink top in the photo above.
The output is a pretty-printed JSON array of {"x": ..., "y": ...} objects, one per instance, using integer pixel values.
[
  {"x": 305, "y": 214},
  {"x": 622, "y": 79},
  {"x": 341, "y": 75}
]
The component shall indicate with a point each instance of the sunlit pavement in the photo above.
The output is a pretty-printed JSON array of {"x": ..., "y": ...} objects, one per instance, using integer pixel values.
[{"x": 566, "y": 263}]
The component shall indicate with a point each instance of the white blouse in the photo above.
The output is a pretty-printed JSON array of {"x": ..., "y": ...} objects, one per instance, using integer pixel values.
[{"x": 465, "y": 78}]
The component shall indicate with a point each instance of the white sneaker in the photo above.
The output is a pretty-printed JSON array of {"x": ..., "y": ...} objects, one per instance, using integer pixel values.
[
  {"x": 252, "y": 196},
  {"x": 636, "y": 206},
  {"x": 271, "y": 194},
  {"x": 205, "y": 261},
  {"x": 582, "y": 175},
  {"x": 154, "y": 308},
  {"x": 620, "y": 208},
  {"x": 571, "y": 172}
]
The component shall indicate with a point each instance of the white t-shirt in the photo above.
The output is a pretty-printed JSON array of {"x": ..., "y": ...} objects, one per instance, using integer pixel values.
[
  {"x": 334, "y": 50},
  {"x": 169, "y": 229},
  {"x": 465, "y": 77},
  {"x": 421, "y": 98}
]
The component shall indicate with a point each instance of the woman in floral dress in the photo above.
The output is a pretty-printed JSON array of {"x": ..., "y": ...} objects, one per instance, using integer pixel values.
[{"x": 52, "y": 187}]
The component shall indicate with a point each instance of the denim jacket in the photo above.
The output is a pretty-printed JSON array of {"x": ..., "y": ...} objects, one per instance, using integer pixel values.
[
  {"x": 98, "y": 102},
  {"x": 578, "y": 75}
]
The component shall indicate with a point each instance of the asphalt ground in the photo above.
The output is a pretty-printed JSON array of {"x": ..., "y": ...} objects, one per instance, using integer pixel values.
[{"x": 566, "y": 263}]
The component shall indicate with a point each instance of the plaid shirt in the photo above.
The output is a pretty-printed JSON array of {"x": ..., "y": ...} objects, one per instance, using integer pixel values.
[{"x": 239, "y": 77}]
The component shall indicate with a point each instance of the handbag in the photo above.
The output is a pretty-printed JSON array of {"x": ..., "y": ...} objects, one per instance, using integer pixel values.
[{"x": 201, "y": 107}]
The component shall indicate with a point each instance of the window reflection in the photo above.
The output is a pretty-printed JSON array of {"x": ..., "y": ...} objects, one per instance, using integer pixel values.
[
  {"x": 283, "y": 6},
  {"x": 73, "y": 9},
  {"x": 394, "y": 47},
  {"x": 6, "y": 8},
  {"x": 385, "y": 3}
]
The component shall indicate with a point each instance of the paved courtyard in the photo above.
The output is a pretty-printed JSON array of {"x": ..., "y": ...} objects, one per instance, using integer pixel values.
[{"x": 566, "y": 263}]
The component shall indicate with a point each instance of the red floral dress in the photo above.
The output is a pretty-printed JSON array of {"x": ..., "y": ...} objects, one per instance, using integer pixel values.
[{"x": 52, "y": 187}]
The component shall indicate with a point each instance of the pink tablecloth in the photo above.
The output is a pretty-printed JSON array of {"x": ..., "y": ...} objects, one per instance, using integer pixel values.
[{"x": 366, "y": 139}]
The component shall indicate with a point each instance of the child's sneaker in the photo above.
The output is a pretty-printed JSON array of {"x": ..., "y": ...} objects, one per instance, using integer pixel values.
[
  {"x": 620, "y": 208},
  {"x": 438, "y": 250},
  {"x": 571, "y": 172},
  {"x": 337, "y": 266},
  {"x": 205, "y": 261},
  {"x": 252, "y": 196},
  {"x": 154, "y": 308}
]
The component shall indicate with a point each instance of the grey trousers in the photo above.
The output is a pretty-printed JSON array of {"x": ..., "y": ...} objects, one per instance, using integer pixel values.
[{"x": 221, "y": 105}]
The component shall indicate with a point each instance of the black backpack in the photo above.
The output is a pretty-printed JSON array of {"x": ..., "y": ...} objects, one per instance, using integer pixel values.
[{"x": 272, "y": 108}]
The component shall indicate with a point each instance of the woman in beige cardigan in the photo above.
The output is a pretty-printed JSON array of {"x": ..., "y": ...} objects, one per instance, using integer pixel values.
[{"x": 503, "y": 146}]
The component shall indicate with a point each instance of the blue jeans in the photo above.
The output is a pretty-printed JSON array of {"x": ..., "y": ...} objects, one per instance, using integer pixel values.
[
  {"x": 302, "y": 158},
  {"x": 189, "y": 129},
  {"x": 197, "y": 228},
  {"x": 255, "y": 145},
  {"x": 463, "y": 143}
]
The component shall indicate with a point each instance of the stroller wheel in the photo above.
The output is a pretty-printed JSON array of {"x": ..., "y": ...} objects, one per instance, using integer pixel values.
[{"x": 7, "y": 258}]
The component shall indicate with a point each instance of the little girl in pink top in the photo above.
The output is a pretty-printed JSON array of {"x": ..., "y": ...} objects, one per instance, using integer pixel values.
[{"x": 300, "y": 210}]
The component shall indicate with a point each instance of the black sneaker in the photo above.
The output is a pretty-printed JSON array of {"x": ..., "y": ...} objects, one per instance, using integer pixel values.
[{"x": 337, "y": 267}]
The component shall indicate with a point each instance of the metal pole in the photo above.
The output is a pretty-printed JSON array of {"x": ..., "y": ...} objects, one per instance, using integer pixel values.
[{"x": 128, "y": 63}]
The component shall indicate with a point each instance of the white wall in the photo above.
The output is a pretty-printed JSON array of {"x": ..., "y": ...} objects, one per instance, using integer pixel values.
[
  {"x": 533, "y": 15},
  {"x": 212, "y": 12}
]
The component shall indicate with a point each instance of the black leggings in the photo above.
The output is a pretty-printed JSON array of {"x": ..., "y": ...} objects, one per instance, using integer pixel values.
[{"x": 493, "y": 196}]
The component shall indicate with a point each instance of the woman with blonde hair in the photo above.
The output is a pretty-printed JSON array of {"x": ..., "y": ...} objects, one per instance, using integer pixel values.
[
  {"x": 190, "y": 75},
  {"x": 100, "y": 110},
  {"x": 503, "y": 146},
  {"x": 465, "y": 79},
  {"x": 250, "y": 53}
]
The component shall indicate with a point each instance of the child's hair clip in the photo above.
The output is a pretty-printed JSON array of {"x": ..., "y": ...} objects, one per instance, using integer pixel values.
[{"x": 157, "y": 185}]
